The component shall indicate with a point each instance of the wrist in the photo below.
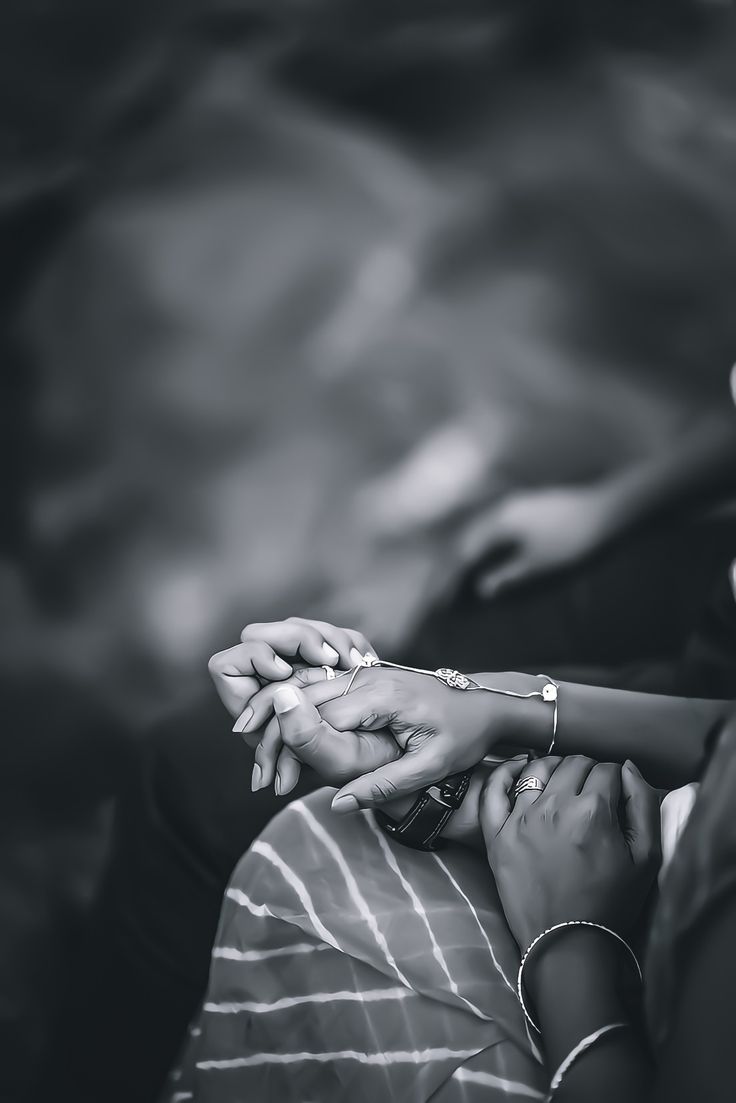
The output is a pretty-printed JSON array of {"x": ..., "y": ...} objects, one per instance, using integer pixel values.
[
  {"x": 463, "y": 825},
  {"x": 583, "y": 961},
  {"x": 518, "y": 722}
]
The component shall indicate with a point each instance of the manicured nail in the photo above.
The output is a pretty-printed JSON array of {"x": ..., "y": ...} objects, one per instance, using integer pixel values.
[
  {"x": 281, "y": 665},
  {"x": 355, "y": 656},
  {"x": 243, "y": 720},
  {"x": 331, "y": 656},
  {"x": 277, "y": 784},
  {"x": 255, "y": 781},
  {"x": 285, "y": 699},
  {"x": 345, "y": 802}
]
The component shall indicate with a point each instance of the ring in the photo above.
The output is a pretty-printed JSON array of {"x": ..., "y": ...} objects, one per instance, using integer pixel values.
[
  {"x": 329, "y": 672},
  {"x": 527, "y": 784}
]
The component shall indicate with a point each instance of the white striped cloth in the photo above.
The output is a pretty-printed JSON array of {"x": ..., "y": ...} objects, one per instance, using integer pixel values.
[{"x": 347, "y": 967}]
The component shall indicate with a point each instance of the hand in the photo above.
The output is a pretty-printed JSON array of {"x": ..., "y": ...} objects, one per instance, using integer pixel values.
[
  {"x": 244, "y": 675},
  {"x": 341, "y": 756},
  {"x": 534, "y": 532},
  {"x": 587, "y": 847},
  {"x": 440, "y": 730},
  {"x": 336, "y": 756}
]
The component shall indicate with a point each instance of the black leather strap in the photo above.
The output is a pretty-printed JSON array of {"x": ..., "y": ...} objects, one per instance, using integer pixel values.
[{"x": 422, "y": 825}]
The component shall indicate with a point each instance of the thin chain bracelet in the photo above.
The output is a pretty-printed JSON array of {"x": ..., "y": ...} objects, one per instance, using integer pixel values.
[
  {"x": 560, "y": 927},
  {"x": 455, "y": 679},
  {"x": 577, "y": 1051}
]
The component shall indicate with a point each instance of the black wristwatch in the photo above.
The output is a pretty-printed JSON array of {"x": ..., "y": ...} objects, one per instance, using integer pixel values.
[{"x": 421, "y": 826}]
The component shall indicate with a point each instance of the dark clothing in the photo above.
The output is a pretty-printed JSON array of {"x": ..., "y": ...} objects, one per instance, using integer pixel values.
[{"x": 691, "y": 963}]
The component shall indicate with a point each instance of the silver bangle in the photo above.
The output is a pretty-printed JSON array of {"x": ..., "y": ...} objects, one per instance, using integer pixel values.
[
  {"x": 550, "y": 692},
  {"x": 577, "y": 1051},
  {"x": 560, "y": 927}
]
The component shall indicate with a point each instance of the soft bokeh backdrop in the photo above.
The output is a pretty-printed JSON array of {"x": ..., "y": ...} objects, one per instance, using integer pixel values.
[{"x": 289, "y": 291}]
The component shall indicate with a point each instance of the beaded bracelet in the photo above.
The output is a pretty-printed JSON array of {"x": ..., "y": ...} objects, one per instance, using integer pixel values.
[
  {"x": 560, "y": 927},
  {"x": 577, "y": 1051}
]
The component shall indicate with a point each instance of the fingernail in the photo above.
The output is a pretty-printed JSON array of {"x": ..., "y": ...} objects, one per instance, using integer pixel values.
[
  {"x": 277, "y": 784},
  {"x": 285, "y": 699},
  {"x": 255, "y": 780},
  {"x": 281, "y": 665},
  {"x": 243, "y": 720},
  {"x": 355, "y": 656},
  {"x": 330, "y": 654},
  {"x": 345, "y": 803}
]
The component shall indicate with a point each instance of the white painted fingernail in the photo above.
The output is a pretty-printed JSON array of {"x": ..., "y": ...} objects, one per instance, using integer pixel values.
[
  {"x": 344, "y": 802},
  {"x": 243, "y": 720},
  {"x": 281, "y": 665},
  {"x": 331, "y": 656},
  {"x": 355, "y": 656},
  {"x": 255, "y": 781},
  {"x": 285, "y": 699}
]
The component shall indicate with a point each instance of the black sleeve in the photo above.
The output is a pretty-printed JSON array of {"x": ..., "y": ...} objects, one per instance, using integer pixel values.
[{"x": 697, "y": 1059}]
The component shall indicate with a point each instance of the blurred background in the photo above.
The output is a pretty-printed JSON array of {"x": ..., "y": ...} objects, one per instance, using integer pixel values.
[{"x": 290, "y": 291}]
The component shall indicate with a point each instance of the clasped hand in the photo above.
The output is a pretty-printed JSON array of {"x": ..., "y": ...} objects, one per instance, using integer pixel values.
[{"x": 394, "y": 733}]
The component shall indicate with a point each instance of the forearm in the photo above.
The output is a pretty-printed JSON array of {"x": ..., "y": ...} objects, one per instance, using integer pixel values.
[
  {"x": 702, "y": 465},
  {"x": 665, "y": 736},
  {"x": 576, "y": 986}
]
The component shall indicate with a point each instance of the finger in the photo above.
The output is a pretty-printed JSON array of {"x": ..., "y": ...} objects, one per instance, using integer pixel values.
[
  {"x": 335, "y": 756},
  {"x": 260, "y": 707},
  {"x": 605, "y": 778},
  {"x": 570, "y": 776},
  {"x": 489, "y": 535},
  {"x": 350, "y": 644},
  {"x": 267, "y": 753},
  {"x": 294, "y": 638},
  {"x": 288, "y": 769},
  {"x": 542, "y": 769},
  {"x": 640, "y": 815},
  {"x": 372, "y": 705},
  {"x": 495, "y": 797},
  {"x": 236, "y": 672},
  {"x": 412, "y": 771},
  {"x": 505, "y": 577}
]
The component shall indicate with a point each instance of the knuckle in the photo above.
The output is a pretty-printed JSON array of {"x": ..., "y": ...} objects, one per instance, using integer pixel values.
[
  {"x": 252, "y": 631},
  {"x": 551, "y": 809},
  {"x": 383, "y": 789}
]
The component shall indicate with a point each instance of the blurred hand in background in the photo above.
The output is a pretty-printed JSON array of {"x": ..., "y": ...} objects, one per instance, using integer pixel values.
[{"x": 532, "y": 533}]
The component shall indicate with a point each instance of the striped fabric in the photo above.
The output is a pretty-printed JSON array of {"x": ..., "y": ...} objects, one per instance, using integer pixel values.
[{"x": 347, "y": 967}]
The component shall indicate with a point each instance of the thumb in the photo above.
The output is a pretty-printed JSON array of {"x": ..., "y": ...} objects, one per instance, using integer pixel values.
[
  {"x": 302, "y": 728},
  {"x": 641, "y": 816},
  {"x": 415, "y": 770}
]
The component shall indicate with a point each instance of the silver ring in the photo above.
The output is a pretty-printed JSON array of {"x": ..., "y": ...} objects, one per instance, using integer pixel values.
[
  {"x": 329, "y": 672},
  {"x": 528, "y": 784}
]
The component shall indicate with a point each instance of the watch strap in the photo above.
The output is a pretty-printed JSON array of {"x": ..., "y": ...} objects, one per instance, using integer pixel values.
[{"x": 423, "y": 824}]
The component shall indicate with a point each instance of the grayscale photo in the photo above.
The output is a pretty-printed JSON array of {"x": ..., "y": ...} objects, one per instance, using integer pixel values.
[{"x": 368, "y": 551}]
